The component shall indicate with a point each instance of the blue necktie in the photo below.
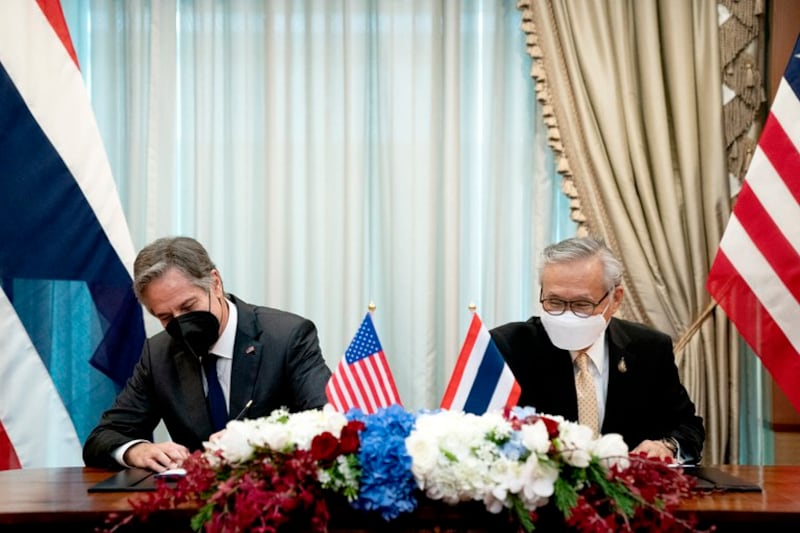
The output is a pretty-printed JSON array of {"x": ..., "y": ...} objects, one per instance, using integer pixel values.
[{"x": 214, "y": 399}]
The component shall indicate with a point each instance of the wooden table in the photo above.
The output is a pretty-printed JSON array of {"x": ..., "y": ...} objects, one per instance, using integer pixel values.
[
  {"x": 43, "y": 498},
  {"x": 776, "y": 508}
]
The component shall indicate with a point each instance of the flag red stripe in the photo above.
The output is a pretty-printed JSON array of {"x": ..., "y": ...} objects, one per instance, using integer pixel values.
[
  {"x": 782, "y": 153},
  {"x": 335, "y": 394},
  {"x": 8, "y": 456},
  {"x": 461, "y": 362},
  {"x": 388, "y": 383},
  {"x": 756, "y": 326},
  {"x": 769, "y": 239},
  {"x": 514, "y": 395},
  {"x": 55, "y": 16}
]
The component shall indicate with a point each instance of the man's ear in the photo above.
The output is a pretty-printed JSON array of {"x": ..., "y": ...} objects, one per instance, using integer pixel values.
[
  {"x": 217, "y": 283},
  {"x": 617, "y": 295}
]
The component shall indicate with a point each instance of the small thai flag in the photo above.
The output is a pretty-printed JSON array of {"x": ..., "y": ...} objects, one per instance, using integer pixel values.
[{"x": 481, "y": 380}]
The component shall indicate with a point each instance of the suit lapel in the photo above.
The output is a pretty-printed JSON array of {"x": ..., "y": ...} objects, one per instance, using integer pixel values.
[
  {"x": 247, "y": 357},
  {"x": 618, "y": 378}
]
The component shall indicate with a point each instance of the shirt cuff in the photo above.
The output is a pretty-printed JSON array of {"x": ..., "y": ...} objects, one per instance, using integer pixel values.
[{"x": 119, "y": 453}]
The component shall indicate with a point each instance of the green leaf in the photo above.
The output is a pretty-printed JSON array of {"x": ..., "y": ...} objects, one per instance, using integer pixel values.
[
  {"x": 565, "y": 495},
  {"x": 522, "y": 514},
  {"x": 203, "y": 515}
]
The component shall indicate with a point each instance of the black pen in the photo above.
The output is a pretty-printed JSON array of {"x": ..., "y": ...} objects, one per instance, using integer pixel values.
[{"x": 244, "y": 410}]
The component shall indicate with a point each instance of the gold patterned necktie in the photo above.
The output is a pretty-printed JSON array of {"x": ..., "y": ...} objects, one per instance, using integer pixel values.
[{"x": 587, "y": 397}]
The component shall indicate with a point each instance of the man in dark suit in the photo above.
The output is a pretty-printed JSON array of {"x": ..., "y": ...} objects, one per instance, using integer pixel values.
[
  {"x": 218, "y": 358},
  {"x": 629, "y": 383}
]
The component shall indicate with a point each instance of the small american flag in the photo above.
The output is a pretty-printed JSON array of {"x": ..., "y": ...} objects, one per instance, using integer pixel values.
[{"x": 363, "y": 379}]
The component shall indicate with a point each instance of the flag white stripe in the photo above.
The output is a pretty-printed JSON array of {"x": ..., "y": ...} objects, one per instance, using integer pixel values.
[
  {"x": 775, "y": 196},
  {"x": 762, "y": 280},
  {"x": 351, "y": 377},
  {"x": 471, "y": 368},
  {"x": 64, "y": 113},
  {"x": 504, "y": 386},
  {"x": 786, "y": 110},
  {"x": 26, "y": 394}
]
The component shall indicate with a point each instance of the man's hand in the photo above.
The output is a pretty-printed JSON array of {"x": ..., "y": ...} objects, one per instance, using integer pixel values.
[
  {"x": 216, "y": 436},
  {"x": 655, "y": 448},
  {"x": 157, "y": 457}
]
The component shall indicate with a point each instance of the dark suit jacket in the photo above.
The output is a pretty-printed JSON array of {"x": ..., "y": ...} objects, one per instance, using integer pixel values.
[
  {"x": 277, "y": 362},
  {"x": 647, "y": 401}
]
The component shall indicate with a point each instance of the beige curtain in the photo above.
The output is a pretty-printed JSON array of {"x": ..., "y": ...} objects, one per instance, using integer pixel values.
[{"x": 632, "y": 94}]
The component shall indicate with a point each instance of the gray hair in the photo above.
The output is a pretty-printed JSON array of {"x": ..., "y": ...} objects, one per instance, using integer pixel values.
[
  {"x": 580, "y": 248},
  {"x": 183, "y": 253}
]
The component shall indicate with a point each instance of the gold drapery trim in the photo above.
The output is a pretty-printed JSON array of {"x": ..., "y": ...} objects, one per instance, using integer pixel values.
[
  {"x": 741, "y": 75},
  {"x": 544, "y": 96}
]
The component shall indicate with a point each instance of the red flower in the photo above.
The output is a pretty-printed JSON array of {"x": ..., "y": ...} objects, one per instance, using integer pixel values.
[
  {"x": 551, "y": 425},
  {"x": 324, "y": 447},
  {"x": 349, "y": 440}
]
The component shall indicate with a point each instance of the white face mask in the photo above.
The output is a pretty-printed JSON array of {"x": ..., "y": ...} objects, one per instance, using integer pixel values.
[{"x": 570, "y": 332}]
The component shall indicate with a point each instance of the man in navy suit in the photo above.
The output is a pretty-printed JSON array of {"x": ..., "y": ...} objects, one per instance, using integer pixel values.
[
  {"x": 219, "y": 357},
  {"x": 630, "y": 368}
]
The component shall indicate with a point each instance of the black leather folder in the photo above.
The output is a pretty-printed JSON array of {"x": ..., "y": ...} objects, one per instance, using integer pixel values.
[
  {"x": 128, "y": 480},
  {"x": 710, "y": 478}
]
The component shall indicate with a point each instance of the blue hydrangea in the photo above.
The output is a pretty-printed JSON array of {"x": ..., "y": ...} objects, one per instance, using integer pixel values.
[{"x": 387, "y": 484}]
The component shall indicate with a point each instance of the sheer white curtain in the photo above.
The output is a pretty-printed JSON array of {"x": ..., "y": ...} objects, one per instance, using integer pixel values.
[{"x": 330, "y": 154}]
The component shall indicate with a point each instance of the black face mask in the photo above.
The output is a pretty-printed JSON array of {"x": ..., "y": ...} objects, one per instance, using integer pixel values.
[{"x": 197, "y": 330}]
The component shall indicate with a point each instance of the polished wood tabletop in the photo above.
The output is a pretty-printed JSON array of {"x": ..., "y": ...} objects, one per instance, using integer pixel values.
[
  {"x": 58, "y": 496},
  {"x": 775, "y": 508}
]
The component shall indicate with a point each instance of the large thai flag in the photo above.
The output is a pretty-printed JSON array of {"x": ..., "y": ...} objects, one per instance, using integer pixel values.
[
  {"x": 481, "y": 381},
  {"x": 755, "y": 277},
  {"x": 70, "y": 328}
]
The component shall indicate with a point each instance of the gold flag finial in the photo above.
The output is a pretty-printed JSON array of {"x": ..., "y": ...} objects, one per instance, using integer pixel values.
[
  {"x": 371, "y": 307},
  {"x": 472, "y": 306}
]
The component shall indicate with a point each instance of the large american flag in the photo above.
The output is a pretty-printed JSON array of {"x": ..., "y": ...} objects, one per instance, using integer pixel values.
[
  {"x": 481, "y": 380},
  {"x": 363, "y": 378},
  {"x": 755, "y": 277}
]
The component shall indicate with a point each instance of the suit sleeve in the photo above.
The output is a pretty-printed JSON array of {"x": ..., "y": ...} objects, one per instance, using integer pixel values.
[
  {"x": 686, "y": 427},
  {"x": 308, "y": 372},
  {"x": 132, "y": 416}
]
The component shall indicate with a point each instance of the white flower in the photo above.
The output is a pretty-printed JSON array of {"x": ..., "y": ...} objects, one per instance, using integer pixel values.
[
  {"x": 540, "y": 479},
  {"x": 611, "y": 450},
  {"x": 575, "y": 442},
  {"x": 280, "y": 430},
  {"x": 535, "y": 437},
  {"x": 235, "y": 443}
]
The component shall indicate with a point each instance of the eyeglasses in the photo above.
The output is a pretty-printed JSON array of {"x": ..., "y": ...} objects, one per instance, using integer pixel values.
[{"x": 580, "y": 308}]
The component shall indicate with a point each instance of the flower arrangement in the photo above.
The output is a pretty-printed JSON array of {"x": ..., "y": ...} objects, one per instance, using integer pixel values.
[{"x": 275, "y": 471}]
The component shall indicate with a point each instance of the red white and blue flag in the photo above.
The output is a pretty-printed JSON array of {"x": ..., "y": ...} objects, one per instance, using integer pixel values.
[
  {"x": 71, "y": 329},
  {"x": 755, "y": 277},
  {"x": 363, "y": 379},
  {"x": 481, "y": 381}
]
